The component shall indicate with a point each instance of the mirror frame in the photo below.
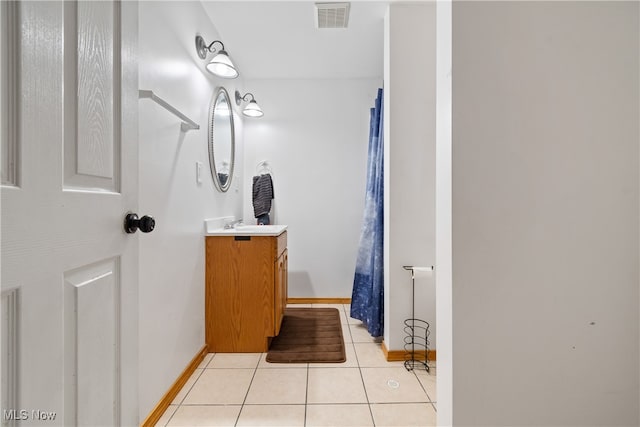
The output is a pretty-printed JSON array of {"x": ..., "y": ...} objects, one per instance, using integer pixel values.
[{"x": 212, "y": 160}]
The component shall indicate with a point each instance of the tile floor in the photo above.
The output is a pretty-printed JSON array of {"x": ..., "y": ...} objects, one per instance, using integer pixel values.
[{"x": 243, "y": 389}]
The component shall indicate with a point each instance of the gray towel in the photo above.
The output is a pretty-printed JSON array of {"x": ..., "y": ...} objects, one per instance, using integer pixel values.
[{"x": 262, "y": 194}]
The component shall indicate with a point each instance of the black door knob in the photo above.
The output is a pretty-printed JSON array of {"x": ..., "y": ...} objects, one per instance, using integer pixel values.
[{"x": 132, "y": 223}]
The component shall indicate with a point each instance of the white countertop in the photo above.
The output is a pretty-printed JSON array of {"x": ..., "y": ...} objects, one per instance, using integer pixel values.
[{"x": 247, "y": 230}]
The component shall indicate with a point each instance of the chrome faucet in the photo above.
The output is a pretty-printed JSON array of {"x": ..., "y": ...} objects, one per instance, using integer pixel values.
[{"x": 232, "y": 224}]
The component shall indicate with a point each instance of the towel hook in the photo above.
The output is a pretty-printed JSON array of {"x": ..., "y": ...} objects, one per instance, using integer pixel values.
[{"x": 263, "y": 166}]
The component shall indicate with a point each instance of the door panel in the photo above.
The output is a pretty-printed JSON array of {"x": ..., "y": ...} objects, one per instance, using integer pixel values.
[
  {"x": 10, "y": 72},
  {"x": 63, "y": 244},
  {"x": 96, "y": 89},
  {"x": 92, "y": 338},
  {"x": 9, "y": 345},
  {"x": 92, "y": 135}
]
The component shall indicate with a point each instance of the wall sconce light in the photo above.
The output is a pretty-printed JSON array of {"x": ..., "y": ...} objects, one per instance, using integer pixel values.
[
  {"x": 220, "y": 64},
  {"x": 252, "y": 109}
]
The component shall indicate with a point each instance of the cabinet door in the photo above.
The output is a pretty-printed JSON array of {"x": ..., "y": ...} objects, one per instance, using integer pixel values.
[
  {"x": 239, "y": 293},
  {"x": 280, "y": 300}
]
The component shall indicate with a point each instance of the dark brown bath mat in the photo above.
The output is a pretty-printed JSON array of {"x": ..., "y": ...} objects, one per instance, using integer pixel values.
[{"x": 309, "y": 335}]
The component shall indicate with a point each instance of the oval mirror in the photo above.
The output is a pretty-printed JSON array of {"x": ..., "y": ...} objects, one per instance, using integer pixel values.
[{"x": 221, "y": 140}]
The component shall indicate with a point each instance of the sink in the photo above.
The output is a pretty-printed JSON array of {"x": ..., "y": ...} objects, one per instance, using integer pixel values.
[
  {"x": 246, "y": 230},
  {"x": 256, "y": 228}
]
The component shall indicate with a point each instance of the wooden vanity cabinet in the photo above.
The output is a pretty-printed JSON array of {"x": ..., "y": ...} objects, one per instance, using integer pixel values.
[{"x": 245, "y": 291}]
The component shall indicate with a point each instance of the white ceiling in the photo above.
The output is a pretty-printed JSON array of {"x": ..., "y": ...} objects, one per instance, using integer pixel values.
[{"x": 279, "y": 40}]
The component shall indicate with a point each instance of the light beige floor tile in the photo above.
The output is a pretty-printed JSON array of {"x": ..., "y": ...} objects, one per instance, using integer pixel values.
[
  {"x": 335, "y": 385},
  {"x": 350, "y": 352},
  {"x": 352, "y": 361},
  {"x": 359, "y": 333},
  {"x": 339, "y": 416},
  {"x": 353, "y": 321},
  {"x": 404, "y": 415},
  {"x": 205, "y": 361},
  {"x": 164, "y": 419},
  {"x": 220, "y": 386},
  {"x": 264, "y": 364},
  {"x": 346, "y": 333},
  {"x": 278, "y": 386},
  {"x": 343, "y": 318},
  {"x": 271, "y": 415},
  {"x": 235, "y": 360},
  {"x": 370, "y": 355},
  {"x": 298, "y": 305},
  {"x": 216, "y": 415},
  {"x": 347, "y": 313},
  {"x": 392, "y": 385},
  {"x": 428, "y": 381},
  {"x": 187, "y": 387}
]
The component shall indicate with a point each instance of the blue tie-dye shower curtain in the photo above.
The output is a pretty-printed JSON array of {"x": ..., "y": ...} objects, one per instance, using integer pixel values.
[{"x": 367, "y": 299}]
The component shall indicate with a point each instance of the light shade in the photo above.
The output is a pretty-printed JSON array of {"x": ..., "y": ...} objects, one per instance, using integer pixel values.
[
  {"x": 221, "y": 66},
  {"x": 252, "y": 109}
]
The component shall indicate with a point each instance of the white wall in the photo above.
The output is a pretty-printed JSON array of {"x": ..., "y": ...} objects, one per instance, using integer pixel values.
[
  {"x": 172, "y": 257},
  {"x": 545, "y": 213},
  {"x": 443, "y": 213},
  {"x": 314, "y": 133},
  {"x": 410, "y": 147}
]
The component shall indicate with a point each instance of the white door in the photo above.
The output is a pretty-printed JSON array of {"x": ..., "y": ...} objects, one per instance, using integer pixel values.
[{"x": 69, "y": 169}]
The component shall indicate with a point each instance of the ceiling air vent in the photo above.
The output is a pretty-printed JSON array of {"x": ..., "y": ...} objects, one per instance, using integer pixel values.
[{"x": 332, "y": 15}]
